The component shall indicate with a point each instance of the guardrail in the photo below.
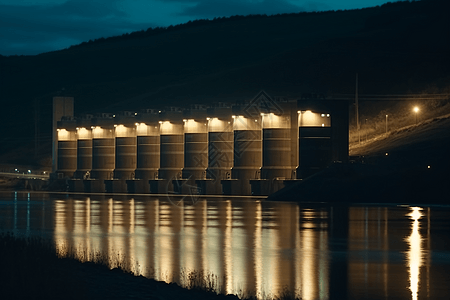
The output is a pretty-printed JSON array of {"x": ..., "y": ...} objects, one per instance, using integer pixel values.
[{"x": 25, "y": 175}]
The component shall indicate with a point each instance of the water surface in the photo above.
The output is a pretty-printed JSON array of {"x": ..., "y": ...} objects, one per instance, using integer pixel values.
[{"x": 251, "y": 245}]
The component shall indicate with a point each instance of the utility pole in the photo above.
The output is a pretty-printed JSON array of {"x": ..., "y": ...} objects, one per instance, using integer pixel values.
[
  {"x": 36, "y": 127},
  {"x": 365, "y": 127},
  {"x": 357, "y": 110}
]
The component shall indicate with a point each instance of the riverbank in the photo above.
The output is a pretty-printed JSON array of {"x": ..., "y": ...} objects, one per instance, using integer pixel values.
[
  {"x": 408, "y": 165},
  {"x": 32, "y": 269},
  {"x": 9, "y": 183}
]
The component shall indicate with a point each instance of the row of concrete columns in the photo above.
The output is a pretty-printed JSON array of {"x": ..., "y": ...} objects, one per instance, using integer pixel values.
[{"x": 217, "y": 150}]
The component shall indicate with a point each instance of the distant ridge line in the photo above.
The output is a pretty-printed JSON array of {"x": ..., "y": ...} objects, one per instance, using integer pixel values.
[{"x": 393, "y": 97}]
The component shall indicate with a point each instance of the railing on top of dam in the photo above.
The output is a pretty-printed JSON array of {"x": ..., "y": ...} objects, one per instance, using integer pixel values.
[{"x": 24, "y": 175}]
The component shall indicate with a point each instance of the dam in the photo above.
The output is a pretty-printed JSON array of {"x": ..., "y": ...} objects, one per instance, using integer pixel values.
[{"x": 253, "y": 147}]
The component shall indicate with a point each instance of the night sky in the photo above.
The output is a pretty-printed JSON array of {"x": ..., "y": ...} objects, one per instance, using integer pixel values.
[{"x": 29, "y": 27}]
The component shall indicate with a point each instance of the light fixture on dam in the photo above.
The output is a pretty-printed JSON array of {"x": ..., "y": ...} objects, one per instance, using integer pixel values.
[
  {"x": 217, "y": 125},
  {"x": 167, "y": 127},
  {"x": 192, "y": 126},
  {"x": 124, "y": 131},
  {"x": 273, "y": 121},
  {"x": 313, "y": 119},
  {"x": 143, "y": 129},
  {"x": 100, "y": 133},
  {"x": 243, "y": 123},
  {"x": 83, "y": 133},
  {"x": 65, "y": 135}
]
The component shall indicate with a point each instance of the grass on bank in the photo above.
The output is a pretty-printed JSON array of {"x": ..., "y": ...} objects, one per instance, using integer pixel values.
[
  {"x": 33, "y": 268},
  {"x": 400, "y": 114},
  {"x": 30, "y": 268}
]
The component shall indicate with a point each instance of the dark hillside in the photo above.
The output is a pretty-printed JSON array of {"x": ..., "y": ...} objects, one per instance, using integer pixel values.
[{"x": 396, "y": 48}]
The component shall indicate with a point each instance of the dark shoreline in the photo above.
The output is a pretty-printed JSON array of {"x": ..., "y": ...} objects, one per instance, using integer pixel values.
[
  {"x": 360, "y": 183},
  {"x": 31, "y": 269}
]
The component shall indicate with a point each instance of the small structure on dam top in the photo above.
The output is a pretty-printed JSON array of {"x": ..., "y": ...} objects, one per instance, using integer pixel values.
[{"x": 249, "y": 148}]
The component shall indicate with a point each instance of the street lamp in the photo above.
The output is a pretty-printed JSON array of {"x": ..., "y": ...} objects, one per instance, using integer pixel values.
[
  {"x": 386, "y": 123},
  {"x": 365, "y": 125},
  {"x": 416, "y": 110}
]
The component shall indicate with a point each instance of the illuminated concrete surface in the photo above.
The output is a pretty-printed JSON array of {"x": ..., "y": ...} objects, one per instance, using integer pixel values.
[{"x": 240, "y": 149}]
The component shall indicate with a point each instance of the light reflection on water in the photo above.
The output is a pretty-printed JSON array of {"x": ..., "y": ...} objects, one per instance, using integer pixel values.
[
  {"x": 415, "y": 252},
  {"x": 251, "y": 246}
]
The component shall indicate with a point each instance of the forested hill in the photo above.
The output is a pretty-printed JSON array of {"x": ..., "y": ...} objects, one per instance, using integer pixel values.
[{"x": 395, "y": 48}]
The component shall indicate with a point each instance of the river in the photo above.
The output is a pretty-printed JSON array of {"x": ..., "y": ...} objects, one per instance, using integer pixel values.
[{"x": 249, "y": 245}]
